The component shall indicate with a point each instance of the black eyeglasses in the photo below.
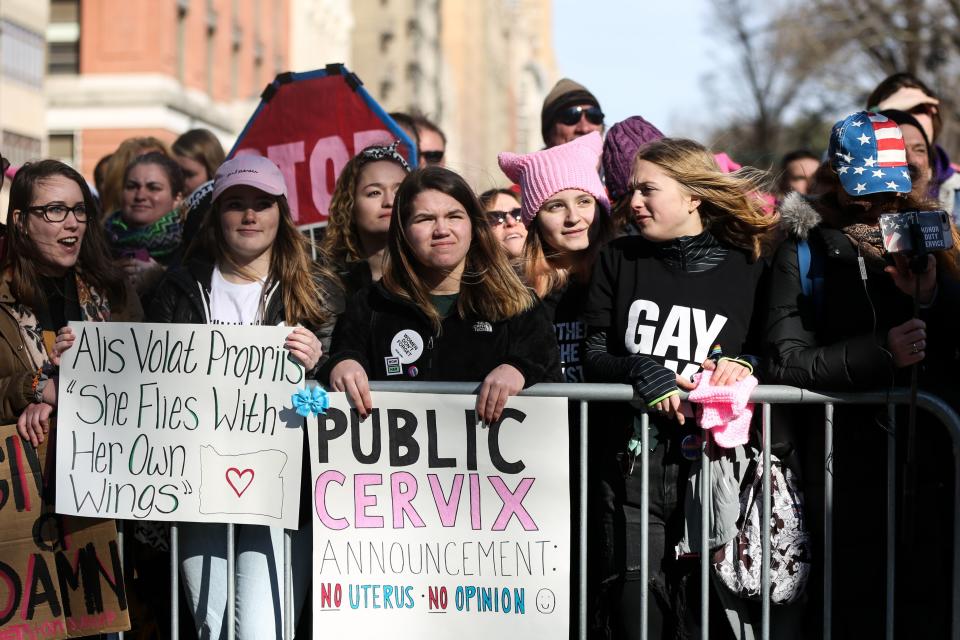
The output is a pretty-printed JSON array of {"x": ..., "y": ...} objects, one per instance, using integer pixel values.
[
  {"x": 57, "y": 211},
  {"x": 571, "y": 115},
  {"x": 432, "y": 157},
  {"x": 497, "y": 218}
]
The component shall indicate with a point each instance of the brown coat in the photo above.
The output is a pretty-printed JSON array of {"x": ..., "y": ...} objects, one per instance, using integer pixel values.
[{"x": 21, "y": 357}]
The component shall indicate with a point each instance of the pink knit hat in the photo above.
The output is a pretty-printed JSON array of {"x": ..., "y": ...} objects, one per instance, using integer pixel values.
[{"x": 541, "y": 174}]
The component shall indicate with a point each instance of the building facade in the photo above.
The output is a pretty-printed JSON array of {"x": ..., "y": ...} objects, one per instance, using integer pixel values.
[
  {"x": 122, "y": 68},
  {"x": 478, "y": 69},
  {"x": 23, "y": 129}
]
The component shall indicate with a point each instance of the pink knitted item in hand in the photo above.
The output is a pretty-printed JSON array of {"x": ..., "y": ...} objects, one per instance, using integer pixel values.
[{"x": 726, "y": 410}]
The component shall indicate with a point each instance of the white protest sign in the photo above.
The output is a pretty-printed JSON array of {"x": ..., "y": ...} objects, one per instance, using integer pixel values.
[
  {"x": 179, "y": 422},
  {"x": 429, "y": 526}
]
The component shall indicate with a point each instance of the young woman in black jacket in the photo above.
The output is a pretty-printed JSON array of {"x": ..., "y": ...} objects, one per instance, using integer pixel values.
[
  {"x": 449, "y": 306},
  {"x": 658, "y": 305},
  {"x": 251, "y": 266}
]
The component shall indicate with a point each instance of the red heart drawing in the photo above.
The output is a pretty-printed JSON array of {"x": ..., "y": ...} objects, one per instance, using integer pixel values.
[{"x": 235, "y": 480}]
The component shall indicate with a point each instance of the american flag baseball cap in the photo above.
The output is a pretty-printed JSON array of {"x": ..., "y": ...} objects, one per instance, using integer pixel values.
[{"x": 867, "y": 152}]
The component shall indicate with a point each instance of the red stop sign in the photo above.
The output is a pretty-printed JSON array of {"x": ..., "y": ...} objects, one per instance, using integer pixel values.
[{"x": 310, "y": 124}]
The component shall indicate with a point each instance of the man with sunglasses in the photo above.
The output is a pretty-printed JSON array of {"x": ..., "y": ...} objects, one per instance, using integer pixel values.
[
  {"x": 433, "y": 142},
  {"x": 569, "y": 111}
]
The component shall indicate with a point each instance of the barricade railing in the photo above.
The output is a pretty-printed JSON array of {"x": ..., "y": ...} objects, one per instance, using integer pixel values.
[{"x": 765, "y": 395}]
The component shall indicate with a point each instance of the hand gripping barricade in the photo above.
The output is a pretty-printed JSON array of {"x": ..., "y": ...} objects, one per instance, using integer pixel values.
[{"x": 760, "y": 493}]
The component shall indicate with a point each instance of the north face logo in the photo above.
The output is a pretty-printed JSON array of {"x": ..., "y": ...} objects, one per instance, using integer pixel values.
[{"x": 484, "y": 327}]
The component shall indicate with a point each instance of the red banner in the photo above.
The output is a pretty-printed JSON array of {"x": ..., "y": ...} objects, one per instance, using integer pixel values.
[{"x": 311, "y": 124}]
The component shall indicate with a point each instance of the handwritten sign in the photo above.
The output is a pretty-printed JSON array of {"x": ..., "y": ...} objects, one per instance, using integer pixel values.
[
  {"x": 179, "y": 422},
  {"x": 429, "y": 526},
  {"x": 60, "y": 576}
]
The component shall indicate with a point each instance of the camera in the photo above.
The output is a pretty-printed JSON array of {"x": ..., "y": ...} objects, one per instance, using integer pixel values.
[{"x": 916, "y": 232}]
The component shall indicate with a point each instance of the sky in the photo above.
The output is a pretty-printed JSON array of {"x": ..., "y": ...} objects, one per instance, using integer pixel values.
[{"x": 640, "y": 57}]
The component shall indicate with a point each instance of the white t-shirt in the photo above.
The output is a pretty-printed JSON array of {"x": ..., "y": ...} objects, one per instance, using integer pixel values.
[{"x": 235, "y": 303}]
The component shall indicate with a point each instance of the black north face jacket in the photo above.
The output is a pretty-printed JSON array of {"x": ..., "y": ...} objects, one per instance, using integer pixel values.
[{"x": 394, "y": 340}]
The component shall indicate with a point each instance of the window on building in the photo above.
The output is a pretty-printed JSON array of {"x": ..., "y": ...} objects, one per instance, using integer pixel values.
[
  {"x": 63, "y": 37},
  {"x": 385, "y": 88},
  {"x": 183, "y": 6},
  {"x": 211, "y": 45},
  {"x": 235, "y": 45},
  {"x": 19, "y": 149},
  {"x": 21, "y": 54},
  {"x": 62, "y": 147}
]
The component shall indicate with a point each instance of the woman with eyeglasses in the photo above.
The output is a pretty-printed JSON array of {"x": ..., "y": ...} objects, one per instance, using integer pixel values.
[
  {"x": 566, "y": 211},
  {"x": 147, "y": 233},
  {"x": 449, "y": 293},
  {"x": 249, "y": 266},
  {"x": 57, "y": 269},
  {"x": 361, "y": 208},
  {"x": 502, "y": 207}
]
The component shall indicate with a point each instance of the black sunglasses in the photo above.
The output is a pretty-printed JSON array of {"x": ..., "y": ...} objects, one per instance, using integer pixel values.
[
  {"x": 497, "y": 218},
  {"x": 571, "y": 115},
  {"x": 432, "y": 157}
]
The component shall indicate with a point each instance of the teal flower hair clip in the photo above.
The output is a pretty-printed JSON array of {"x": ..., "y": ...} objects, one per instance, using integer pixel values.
[{"x": 311, "y": 402}]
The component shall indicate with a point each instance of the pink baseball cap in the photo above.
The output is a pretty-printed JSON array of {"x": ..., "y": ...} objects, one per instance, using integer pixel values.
[{"x": 250, "y": 170}]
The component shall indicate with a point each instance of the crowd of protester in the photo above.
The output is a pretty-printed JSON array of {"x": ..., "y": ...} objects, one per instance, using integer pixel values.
[{"x": 611, "y": 255}]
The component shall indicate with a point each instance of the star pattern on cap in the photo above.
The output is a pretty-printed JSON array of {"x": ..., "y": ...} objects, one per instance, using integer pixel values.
[
  {"x": 864, "y": 138},
  {"x": 860, "y": 188},
  {"x": 842, "y": 170},
  {"x": 869, "y": 162},
  {"x": 905, "y": 173},
  {"x": 858, "y": 170},
  {"x": 891, "y": 185},
  {"x": 857, "y": 123},
  {"x": 878, "y": 173}
]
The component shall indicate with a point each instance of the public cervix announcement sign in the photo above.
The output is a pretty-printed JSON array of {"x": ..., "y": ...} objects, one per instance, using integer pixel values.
[
  {"x": 179, "y": 422},
  {"x": 430, "y": 526}
]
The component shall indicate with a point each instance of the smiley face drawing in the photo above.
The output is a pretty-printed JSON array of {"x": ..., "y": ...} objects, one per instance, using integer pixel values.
[{"x": 546, "y": 601}]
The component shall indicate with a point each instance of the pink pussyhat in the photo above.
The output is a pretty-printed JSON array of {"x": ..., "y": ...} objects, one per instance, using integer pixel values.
[
  {"x": 542, "y": 174},
  {"x": 725, "y": 409}
]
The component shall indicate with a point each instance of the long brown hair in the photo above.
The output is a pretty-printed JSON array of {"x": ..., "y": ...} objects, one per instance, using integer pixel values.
[
  {"x": 95, "y": 260},
  {"x": 489, "y": 287},
  {"x": 341, "y": 240},
  {"x": 290, "y": 265},
  {"x": 539, "y": 267},
  {"x": 731, "y": 206}
]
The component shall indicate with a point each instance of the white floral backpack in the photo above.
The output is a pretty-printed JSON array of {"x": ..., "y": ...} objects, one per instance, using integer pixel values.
[{"x": 737, "y": 563}]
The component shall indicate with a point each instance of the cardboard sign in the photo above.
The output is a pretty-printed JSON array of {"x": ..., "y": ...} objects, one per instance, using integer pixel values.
[
  {"x": 429, "y": 526},
  {"x": 60, "y": 576},
  {"x": 310, "y": 124},
  {"x": 180, "y": 422}
]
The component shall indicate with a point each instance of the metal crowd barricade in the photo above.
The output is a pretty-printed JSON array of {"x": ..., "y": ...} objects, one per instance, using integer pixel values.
[{"x": 766, "y": 396}]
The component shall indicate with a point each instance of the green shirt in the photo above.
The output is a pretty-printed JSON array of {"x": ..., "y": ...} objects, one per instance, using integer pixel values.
[{"x": 444, "y": 303}]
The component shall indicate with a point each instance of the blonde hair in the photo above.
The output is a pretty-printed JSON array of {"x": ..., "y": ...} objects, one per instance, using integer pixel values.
[
  {"x": 200, "y": 145},
  {"x": 731, "y": 204},
  {"x": 538, "y": 262},
  {"x": 111, "y": 198},
  {"x": 489, "y": 287}
]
